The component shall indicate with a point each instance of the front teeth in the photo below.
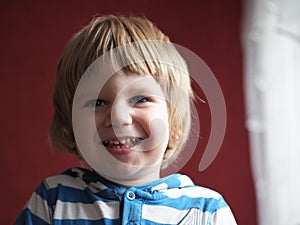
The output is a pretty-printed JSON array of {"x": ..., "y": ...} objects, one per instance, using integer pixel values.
[{"x": 122, "y": 142}]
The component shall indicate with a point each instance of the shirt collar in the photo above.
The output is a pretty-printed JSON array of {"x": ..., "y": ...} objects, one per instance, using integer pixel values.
[{"x": 152, "y": 190}]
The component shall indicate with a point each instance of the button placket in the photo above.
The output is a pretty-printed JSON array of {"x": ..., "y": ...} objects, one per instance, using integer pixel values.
[{"x": 132, "y": 208}]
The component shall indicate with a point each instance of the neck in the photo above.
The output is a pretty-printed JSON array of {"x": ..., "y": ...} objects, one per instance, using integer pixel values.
[{"x": 135, "y": 180}]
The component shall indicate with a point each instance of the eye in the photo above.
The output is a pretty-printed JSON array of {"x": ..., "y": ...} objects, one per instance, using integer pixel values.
[
  {"x": 95, "y": 103},
  {"x": 138, "y": 99}
]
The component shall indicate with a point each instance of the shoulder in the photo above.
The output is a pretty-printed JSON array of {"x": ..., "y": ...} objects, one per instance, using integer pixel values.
[
  {"x": 73, "y": 177},
  {"x": 70, "y": 186},
  {"x": 202, "y": 197},
  {"x": 70, "y": 182},
  {"x": 198, "y": 199},
  {"x": 188, "y": 188}
]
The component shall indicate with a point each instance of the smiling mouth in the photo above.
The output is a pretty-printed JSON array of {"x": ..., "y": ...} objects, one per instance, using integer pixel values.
[{"x": 122, "y": 143}]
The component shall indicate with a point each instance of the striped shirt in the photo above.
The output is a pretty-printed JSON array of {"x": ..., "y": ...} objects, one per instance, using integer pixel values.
[{"x": 79, "y": 196}]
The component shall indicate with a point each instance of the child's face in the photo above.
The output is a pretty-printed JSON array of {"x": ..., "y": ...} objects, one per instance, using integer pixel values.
[{"x": 132, "y": 133}]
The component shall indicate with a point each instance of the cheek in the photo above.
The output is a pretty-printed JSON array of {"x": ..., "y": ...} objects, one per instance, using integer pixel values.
[
  {"x": 155, "y": 124},
  {"x": 84, "y": 125},
  {"x": 86, "y": 136},
  {"x": 89, "y": 129},
  {"x": 152, "y": 120},
  {"x": 101, "y": 122},
  {"x": 98, "y": 121}
]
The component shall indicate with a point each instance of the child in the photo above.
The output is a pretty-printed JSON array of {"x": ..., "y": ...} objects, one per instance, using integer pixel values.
[{"x": 121, "y": 93}]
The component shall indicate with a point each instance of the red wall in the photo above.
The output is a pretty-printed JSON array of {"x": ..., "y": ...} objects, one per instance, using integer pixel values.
[{"x": 33, "y": 35}]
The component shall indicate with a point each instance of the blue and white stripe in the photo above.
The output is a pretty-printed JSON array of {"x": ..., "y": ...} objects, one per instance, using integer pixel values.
[{"x": 80, "y": 196}]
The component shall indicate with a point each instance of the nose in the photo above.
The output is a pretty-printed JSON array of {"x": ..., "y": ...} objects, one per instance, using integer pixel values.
[{"x": 119, "y": 116}]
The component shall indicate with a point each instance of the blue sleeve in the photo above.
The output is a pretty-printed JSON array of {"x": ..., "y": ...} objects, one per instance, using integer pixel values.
[
  {"x": 26, "y": 217},
  {"x": 37, "y": 211}
]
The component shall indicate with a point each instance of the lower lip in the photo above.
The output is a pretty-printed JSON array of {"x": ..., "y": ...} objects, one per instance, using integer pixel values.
[{"x": 119, "y": 151}]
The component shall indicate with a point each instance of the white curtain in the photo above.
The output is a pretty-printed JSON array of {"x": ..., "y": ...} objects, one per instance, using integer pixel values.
[{"x": 271, "y": 43}]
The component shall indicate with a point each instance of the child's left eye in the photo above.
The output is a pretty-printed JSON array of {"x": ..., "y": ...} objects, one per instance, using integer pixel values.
[{"x": 138, "y": 99}]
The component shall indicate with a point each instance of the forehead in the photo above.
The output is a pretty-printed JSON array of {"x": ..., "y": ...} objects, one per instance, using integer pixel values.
[
  {"x": 130, "y": 83},
  {"x": 97, "y": 83}
]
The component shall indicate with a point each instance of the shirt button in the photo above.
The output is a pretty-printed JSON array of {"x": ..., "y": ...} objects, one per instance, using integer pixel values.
[{"x": 130, "y": 195}]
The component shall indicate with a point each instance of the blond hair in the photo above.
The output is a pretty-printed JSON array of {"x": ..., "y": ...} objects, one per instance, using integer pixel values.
[{"x": 101, "y": 35}]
